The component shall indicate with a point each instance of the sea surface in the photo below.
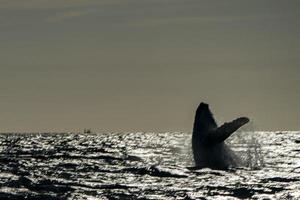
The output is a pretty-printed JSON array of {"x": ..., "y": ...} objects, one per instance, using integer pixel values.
[{"x": 145, "y": 166}]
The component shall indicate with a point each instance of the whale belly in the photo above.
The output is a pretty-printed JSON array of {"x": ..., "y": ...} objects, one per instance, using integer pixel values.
[{"x": 215, "y": 157}]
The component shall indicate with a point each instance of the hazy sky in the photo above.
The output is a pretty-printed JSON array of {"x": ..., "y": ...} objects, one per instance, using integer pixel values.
[{"x": 145, "y": 65}]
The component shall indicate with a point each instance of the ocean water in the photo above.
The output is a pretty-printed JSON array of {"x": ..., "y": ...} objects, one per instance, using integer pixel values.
[{"x": 145, "y": 166}]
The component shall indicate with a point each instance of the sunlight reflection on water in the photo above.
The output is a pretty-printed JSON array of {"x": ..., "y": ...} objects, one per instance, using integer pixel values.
[{"x": 144, "y": 166}]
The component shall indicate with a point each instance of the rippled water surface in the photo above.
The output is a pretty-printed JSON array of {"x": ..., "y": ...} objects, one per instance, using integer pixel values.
[{"x": 144, "y": 166}]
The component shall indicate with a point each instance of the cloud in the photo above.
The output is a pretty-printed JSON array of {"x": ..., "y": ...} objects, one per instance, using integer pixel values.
[
  {"x": 66, "y": 15},
  {"x": 198, "y": 19},
  {"x": 51, "y": 4}
]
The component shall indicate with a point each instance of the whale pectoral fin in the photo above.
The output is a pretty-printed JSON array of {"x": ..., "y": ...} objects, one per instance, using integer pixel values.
[{"x": 223, "y": 132}]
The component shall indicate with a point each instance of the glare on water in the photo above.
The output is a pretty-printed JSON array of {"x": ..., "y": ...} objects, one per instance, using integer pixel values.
[{"x": 145, "y": 166}]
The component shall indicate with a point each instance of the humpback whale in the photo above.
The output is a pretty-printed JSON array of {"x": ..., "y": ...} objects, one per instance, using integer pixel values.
[{"x": 208, "y": 144}]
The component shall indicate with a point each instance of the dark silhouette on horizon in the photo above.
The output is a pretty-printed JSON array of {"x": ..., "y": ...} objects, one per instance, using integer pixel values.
[{"x": 208, "y": 145}]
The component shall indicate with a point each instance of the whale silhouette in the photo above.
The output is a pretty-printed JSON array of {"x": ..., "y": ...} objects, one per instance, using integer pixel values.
[{"x": 208, "y": 144}]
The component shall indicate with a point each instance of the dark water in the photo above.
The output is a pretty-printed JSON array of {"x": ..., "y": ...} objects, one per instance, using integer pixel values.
[{"x": 144, "y": 166}]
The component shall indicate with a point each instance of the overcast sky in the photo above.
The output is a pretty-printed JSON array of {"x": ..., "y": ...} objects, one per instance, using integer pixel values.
[{"x": 145, "y": 65}]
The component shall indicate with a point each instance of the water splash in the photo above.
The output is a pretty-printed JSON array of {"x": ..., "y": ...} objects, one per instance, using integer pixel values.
[{"x": 248, "y": 146}]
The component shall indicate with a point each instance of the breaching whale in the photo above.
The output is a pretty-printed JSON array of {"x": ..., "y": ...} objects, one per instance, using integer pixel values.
[{"x": 208, "y": 144}]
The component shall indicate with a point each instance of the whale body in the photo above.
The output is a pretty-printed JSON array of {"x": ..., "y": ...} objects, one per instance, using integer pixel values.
[{"x": 208, "y": 145}]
